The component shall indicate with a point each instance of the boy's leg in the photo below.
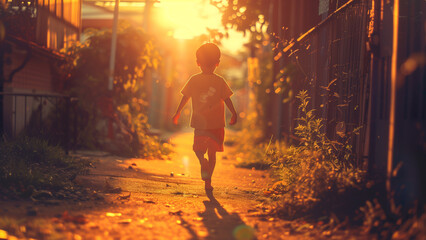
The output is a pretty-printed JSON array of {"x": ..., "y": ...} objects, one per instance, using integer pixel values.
[
  {"x": 211, "y": 164},
  {"x": 212, "y": 161},
  {"x": 204, "y": 165}
]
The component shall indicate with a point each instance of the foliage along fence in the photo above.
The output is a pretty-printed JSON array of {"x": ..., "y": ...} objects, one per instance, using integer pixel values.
[{"x": 330, "y": 62}]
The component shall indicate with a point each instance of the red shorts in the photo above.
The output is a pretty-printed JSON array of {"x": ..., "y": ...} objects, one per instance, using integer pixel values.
[{"x": 208, "y": 139}]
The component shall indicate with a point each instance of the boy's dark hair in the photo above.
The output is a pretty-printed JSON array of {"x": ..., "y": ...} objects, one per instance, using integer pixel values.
[{"x": 208, "y": 54}]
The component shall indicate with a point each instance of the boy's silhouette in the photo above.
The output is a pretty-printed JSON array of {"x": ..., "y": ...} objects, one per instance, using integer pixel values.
[{"x": 208, "y": 92}]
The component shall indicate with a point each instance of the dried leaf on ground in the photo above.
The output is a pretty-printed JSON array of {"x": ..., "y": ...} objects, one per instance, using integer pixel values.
[
  {"x": 110, "y": 214},
  {"x": 77, "y": 219},
  {"x": 125, "y": 221},
  {"x": 124, "y": 197},
  {"x": 178, "y": 213}
]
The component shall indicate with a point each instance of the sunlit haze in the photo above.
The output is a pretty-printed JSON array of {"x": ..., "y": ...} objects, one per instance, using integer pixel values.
[{"x": 192, "y": 18}]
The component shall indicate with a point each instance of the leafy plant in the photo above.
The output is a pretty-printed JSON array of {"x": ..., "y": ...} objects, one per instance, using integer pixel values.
[
  {"x": 113, "y": 120},
  {"x": 311, "y": 173}
]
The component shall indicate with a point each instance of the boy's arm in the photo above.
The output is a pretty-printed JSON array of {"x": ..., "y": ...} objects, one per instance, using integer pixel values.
[
  {"x": 231, "y": 108},
  {"x": 182, "y": 103}
]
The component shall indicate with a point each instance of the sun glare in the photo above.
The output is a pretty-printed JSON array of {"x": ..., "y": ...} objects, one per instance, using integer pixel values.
[{"x": 191, "y": 18}]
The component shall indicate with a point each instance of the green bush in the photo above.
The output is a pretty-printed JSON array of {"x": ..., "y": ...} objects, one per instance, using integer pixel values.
[
  {"x": 28, "y": 163},
  {"x": 315, "y": 171},
  {"x": 117, "y": 120}
]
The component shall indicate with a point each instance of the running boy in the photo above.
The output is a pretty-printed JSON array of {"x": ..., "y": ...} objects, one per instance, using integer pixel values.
[{"x": 208, "y": 92}]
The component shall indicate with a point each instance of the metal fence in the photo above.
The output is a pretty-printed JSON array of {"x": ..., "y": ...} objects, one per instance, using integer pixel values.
[
  {"x": 330, "y": 63},
  {"x": 48, "y": 116}
]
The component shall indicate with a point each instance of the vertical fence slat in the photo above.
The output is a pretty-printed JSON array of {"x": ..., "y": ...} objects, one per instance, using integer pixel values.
[
  {"x": 15, "y": 115},
  {"x": 30, "y": 120},
  {"x": 25, "y": 111}
]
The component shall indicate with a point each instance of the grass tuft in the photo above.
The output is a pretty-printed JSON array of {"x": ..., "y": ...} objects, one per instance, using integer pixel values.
[{"x": 28, "y": 163}]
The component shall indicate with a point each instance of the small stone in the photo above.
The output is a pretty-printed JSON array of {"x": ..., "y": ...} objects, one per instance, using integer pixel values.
[
  {"x": 125, "y": 221},
  {"x": 130, "y": 167},
  {"x": 42, "y": 194},
  {"x": 97, "y": 196},
  {"x": 178, "y": 213},
  {"x": 134, "y": 164},
  {"x": 60, "y": 195},
  {"x": 172, "y": 174},
  {"x": 31, "y": 212}
]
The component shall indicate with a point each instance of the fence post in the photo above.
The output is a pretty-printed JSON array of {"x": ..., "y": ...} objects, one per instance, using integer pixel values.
[
  {"x": 66, "y": 121},
  {"x": 75, "y": 120}
]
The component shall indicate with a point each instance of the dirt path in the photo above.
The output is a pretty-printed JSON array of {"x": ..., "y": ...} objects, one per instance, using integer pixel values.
[{"x": 160, "y": 199}]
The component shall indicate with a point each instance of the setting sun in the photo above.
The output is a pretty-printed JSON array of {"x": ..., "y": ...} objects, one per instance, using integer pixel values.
[{"x": 189, "y": 18}]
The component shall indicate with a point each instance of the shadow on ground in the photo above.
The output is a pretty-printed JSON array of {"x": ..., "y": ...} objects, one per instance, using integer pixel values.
[{"x": 219, "y": 223}]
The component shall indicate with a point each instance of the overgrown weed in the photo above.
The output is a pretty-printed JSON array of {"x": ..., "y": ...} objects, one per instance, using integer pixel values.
[
  {"x": 28, "y": 163},
  {"x": 314, "y": 172}
]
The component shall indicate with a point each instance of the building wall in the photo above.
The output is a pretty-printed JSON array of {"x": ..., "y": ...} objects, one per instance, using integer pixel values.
[
  {"x": 57, "y": 25},
  {"x": 36, "y": 76}
]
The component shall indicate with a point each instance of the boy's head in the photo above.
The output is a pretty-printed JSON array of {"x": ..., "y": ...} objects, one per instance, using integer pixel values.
[{"x": 208, "y": 55}]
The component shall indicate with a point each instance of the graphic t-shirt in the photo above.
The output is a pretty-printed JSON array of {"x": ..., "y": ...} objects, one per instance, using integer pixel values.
[{"x": 208, "y": 92}]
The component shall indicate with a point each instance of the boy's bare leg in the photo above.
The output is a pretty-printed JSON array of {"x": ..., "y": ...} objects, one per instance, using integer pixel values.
[
  {"x": 212, "y": 161},
  {"x": 211, "y": 165},
  {"x": 204, "y": 165}
]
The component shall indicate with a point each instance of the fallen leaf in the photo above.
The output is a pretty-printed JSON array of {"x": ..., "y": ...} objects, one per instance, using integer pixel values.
[
  {"x": 124, "y": 197},
  {"x": 110, "y": 189},
  {"x": 178, "y": 213},
  {"x": 125, "y": 221},
  {"x": 77, "y": 219},
  {"x": 93, "y": 225},
  {"x": 203, "y": 233},
  {"x": 110, "y": 214}
]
